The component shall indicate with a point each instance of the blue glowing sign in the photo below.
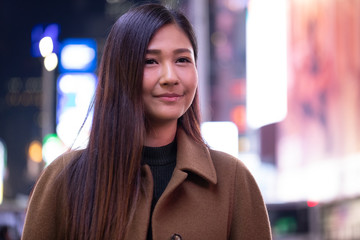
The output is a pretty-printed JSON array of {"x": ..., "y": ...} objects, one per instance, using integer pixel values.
[
  {"x": 75, "y": 94},
  {"x": 78, "y": 55}
]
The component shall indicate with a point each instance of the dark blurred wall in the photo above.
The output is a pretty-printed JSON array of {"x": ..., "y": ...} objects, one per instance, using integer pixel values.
[{"x": 20, "y": 72}]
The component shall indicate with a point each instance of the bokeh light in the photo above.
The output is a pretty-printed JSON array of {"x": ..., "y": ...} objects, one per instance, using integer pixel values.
[
  {"x": 52, "y": 148},
  {"x": 46, "y": 46},
  {"x": 35, "y": 151},
  {"x": 51, "y": 62}
]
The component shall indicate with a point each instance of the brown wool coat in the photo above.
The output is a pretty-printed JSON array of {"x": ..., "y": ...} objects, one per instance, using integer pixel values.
[{"x": 211, "y": 196}]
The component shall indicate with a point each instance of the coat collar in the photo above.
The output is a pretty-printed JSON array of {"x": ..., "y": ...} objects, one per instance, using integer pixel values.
[{"x": 194, "y": 157}]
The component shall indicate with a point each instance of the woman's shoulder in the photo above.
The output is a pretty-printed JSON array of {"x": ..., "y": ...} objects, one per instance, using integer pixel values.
[
  {"x": 229, "y": 166},
  {"x": 223, "y": 159},
  {"x": 45, "y": 211},
  {"x": 53, "y": 177},
  {"x": 64, "y": 159},
  {"x": 55, "y": 171}
]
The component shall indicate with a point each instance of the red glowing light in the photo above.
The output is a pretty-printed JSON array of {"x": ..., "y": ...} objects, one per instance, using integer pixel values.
[{"x": 312, "y": 203}]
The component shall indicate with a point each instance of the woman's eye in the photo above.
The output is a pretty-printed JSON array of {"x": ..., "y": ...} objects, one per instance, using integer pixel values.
[
  {"x": 150, "y": 61},
  {"x": 183, "y": 60}
]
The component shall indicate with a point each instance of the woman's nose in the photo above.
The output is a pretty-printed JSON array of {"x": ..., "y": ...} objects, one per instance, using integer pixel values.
[{"x": 169, "y": 76}]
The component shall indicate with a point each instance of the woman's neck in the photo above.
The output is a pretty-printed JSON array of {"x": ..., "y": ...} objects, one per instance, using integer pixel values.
[{"x": 161, "y": 135}]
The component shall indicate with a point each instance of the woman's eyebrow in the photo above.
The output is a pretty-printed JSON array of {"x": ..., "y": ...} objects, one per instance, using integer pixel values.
[
  {"x": 176, "y": 51},
  {"x": 183, "y": 50},
  {"x": 153, "y": 51}
]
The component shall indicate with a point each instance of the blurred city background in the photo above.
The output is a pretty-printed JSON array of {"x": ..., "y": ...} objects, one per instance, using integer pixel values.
[{"x": 279, "y": 87}]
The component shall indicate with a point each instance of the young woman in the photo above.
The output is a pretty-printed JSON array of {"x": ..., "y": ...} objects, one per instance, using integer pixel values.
[{"x": 146, "y": 172}]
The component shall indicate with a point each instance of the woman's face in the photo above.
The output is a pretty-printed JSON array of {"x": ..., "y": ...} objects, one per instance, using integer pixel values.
[{"x": 170, "y": 75}]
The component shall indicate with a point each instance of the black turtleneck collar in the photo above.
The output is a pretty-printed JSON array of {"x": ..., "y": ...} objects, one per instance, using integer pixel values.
[{"x": 159, "y": 156}]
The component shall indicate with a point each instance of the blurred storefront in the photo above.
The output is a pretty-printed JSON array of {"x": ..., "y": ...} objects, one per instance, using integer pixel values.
[
  {"x": 318, "y": 139},
  {"x": 309, "y": 157}
]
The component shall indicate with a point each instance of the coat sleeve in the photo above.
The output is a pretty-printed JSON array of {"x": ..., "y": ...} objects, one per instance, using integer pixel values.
[
  {"x": 249, "y": 216},
  {"x": 45, "y": 214}
]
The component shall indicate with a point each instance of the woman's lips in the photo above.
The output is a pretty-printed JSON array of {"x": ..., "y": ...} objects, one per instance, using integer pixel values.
[{"x": 169, "y": 97}]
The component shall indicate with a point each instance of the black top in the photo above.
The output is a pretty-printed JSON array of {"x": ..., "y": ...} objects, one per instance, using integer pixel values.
[{"x": 162, "y": 161}]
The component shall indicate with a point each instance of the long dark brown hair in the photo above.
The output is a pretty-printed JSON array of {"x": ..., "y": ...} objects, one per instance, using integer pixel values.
[{"x": 105, "y": 182}]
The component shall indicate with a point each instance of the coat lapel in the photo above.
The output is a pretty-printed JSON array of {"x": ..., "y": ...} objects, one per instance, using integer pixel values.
[
  {"x": 191, "y": 157},
  {"x": 195, "y": 158}
]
